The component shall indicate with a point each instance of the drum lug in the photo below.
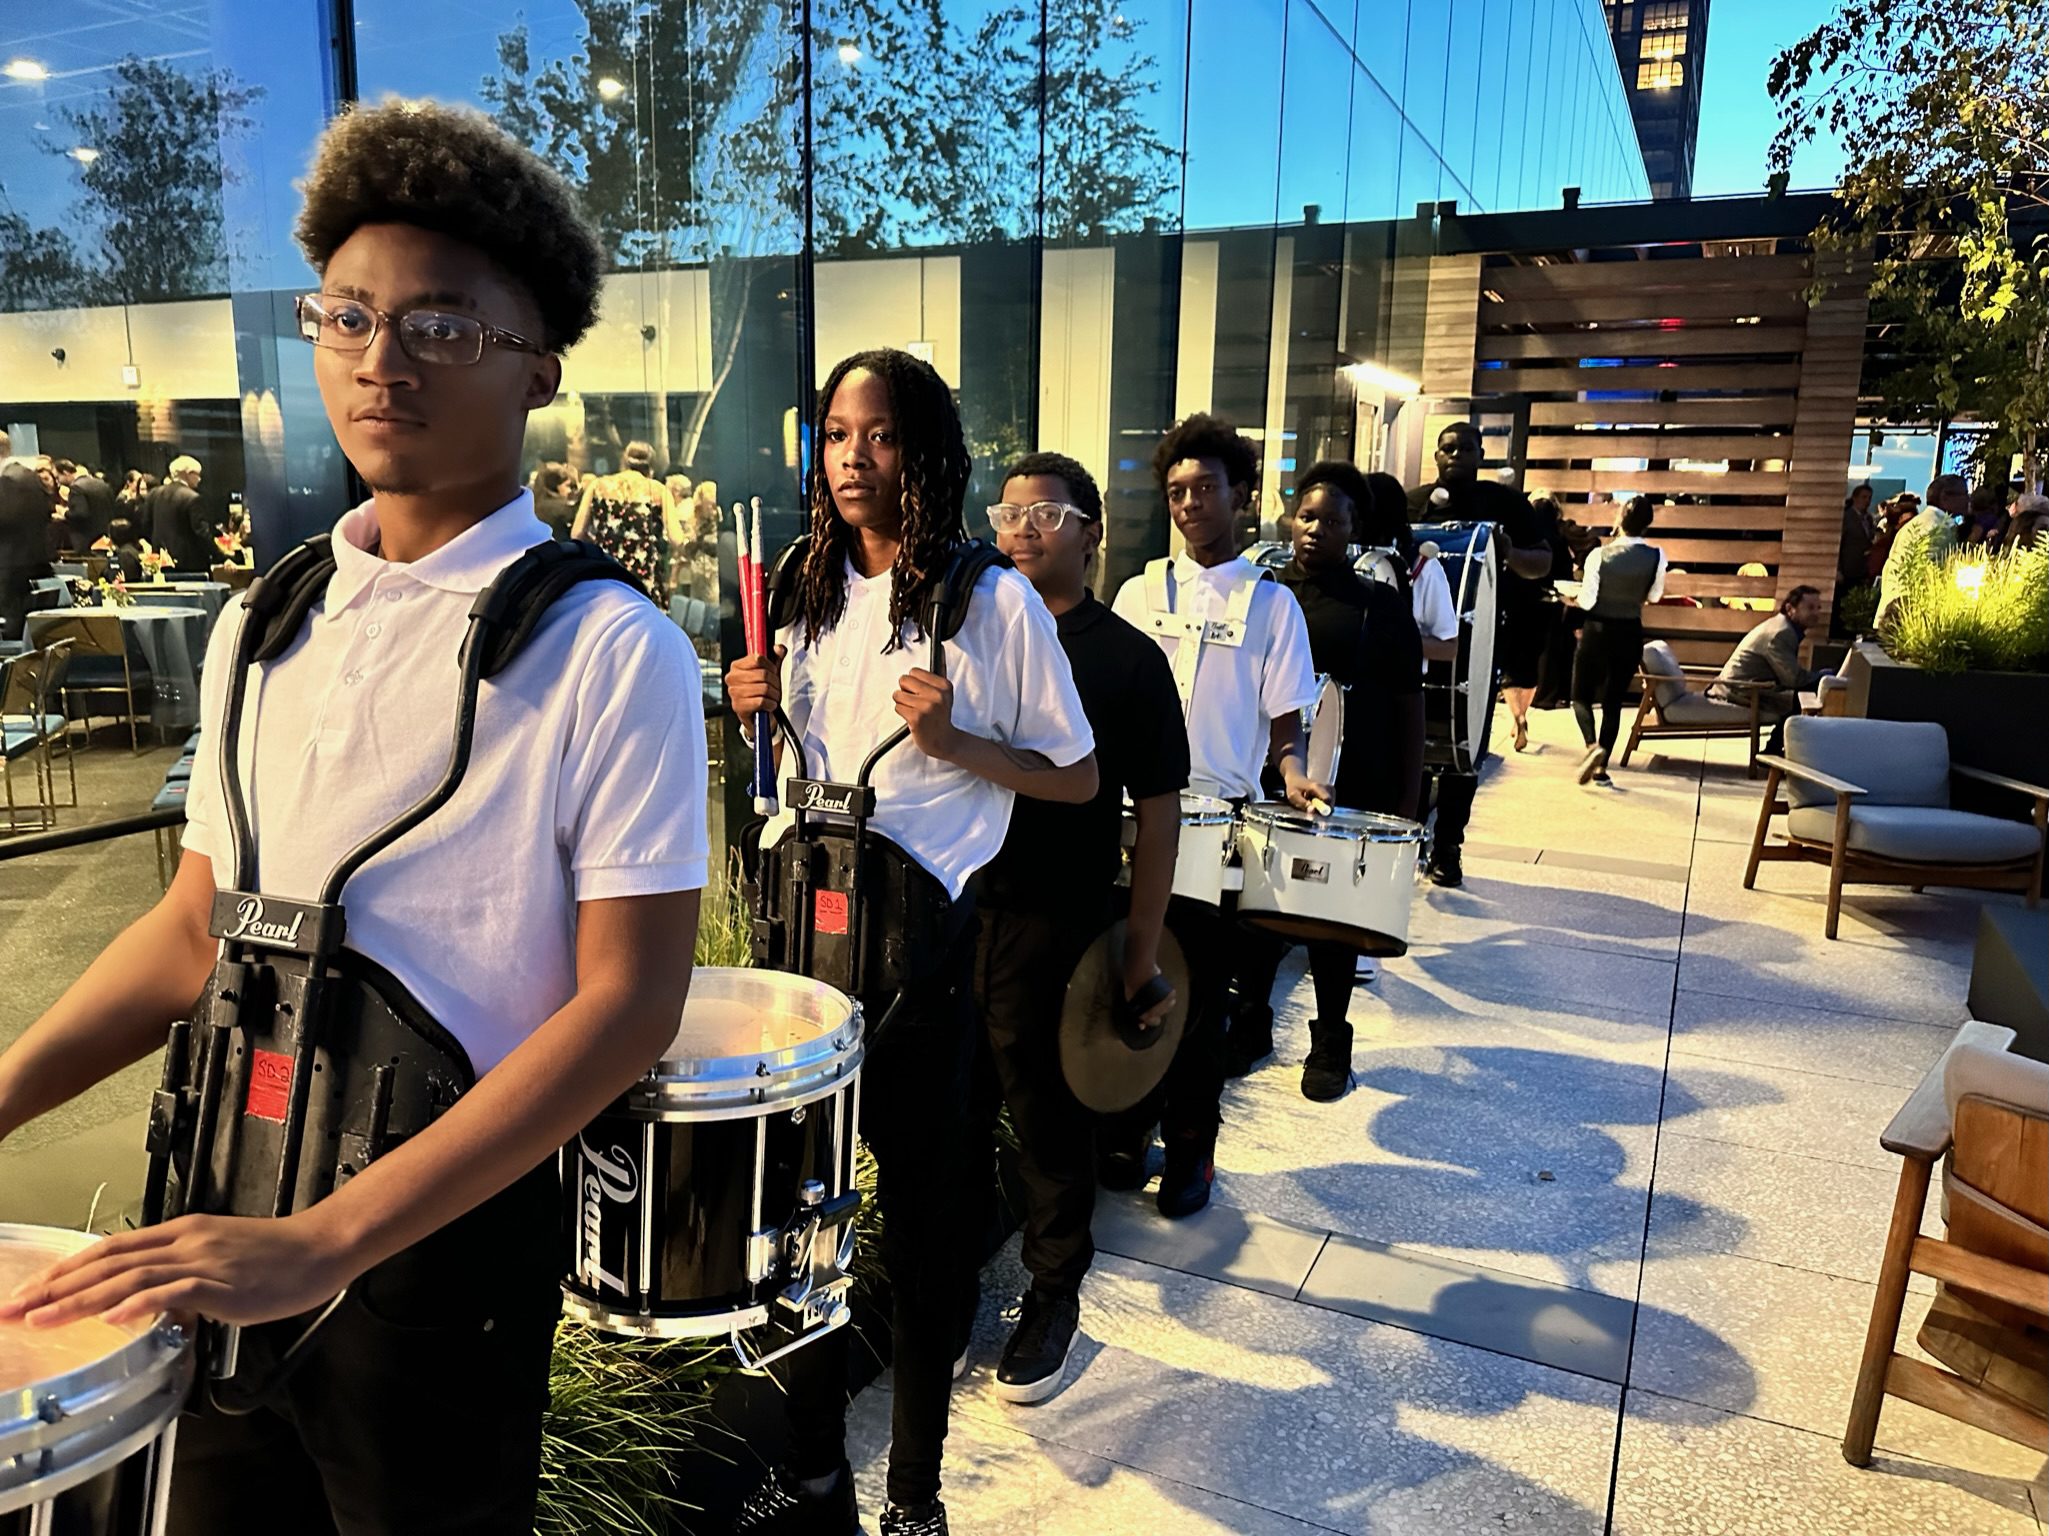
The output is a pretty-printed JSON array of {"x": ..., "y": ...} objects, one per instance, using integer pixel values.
[{"x": 762, "y": 1250}]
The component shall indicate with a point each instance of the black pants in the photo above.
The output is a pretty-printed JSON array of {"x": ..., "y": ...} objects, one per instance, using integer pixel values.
[
  {"x": 14, "y": 595},
  {"x": 1455, "y": 792},
  {"x": 1610, "y": 651},
  {"x": 914, "y": 1095},
  {"x": 1022, "y": 965},
  {"x": 1333, "y": 968},
  {"x": 1189, "y": 1100},
  {"x": 417, "y": 1411}
]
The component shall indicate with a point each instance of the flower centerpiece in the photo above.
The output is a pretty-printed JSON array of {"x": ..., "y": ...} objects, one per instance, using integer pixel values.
[
  {"x": 115, "y": 593},
  {"x": 233, "y": 550},
  {"x": 155, "y": 561},
  {"x": 101, "y": 545}
]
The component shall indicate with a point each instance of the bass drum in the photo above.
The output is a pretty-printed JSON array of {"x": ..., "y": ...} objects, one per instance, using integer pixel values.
[
  {"x": 1379, "y": 565},
  {"x": 1270, "y": 554},
  {"x": 1458, "y": 695}
]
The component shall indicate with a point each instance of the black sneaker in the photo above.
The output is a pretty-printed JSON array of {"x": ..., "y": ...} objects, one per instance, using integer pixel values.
[
  {"x": 1191, "y": 1167},
  {"x": 915, "y": 1520},
  {"x": 1250, "y": 1041},
  {"x": 1035, "y": 1361},
  {"x": 1121, "y": 1167},
  {"x": 1446, "y": 869},
  {"x": 1327, "y": 1074},
  {"x": 781, "y": 1507}
]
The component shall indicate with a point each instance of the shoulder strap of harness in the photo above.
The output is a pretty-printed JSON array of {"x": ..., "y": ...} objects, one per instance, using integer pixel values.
[
  {"x": 1159, "y": 591},
  {"x": 510, "y": 609},
  {"x": 944, "y": 614},
  {"x": 506, "y": 613}
]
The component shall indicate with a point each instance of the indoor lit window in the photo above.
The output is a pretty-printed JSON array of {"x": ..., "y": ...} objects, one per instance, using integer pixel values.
[
  {"x": 1660, "y": 74},
  {"x": 1664, "y": 16}
]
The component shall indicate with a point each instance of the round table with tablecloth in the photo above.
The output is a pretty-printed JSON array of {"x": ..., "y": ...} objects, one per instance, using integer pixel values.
[{"x": 171, "y": 640}]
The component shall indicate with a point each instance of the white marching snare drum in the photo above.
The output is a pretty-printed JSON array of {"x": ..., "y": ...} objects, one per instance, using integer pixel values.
[
  {"x": 86, "y": 1403},
  {"x": 1348, "y": 877},
  {"x": 716, "y": 1198},
  {"x": 1202, "y": 861}
]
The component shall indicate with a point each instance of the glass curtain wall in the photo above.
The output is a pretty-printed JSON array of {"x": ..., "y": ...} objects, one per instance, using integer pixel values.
[{"x": 1093, "y": 216}]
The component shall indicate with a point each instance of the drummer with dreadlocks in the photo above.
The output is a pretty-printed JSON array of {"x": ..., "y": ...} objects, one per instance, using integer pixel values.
[{"x": 1002, "y": 720}]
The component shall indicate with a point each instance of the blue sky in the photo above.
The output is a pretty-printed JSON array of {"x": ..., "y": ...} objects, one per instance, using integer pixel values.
[{"x": 1737, "y": 115}]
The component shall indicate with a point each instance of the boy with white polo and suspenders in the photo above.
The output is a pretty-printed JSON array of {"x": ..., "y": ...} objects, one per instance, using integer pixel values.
[{"x": 1239, "y": 651}]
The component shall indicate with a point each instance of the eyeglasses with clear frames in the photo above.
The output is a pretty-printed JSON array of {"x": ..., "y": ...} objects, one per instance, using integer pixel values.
[
  {"x": 425, "y": 335},
  {"x": 1046, "y": 516}
]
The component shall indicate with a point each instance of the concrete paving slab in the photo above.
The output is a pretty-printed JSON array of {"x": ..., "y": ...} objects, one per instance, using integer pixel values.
[
  {"x": 1833, "y": 1118},
  {"x": 1691, "y": 1471},
  {"x": 1569, "y": 1330},
  {"x": 1318, "y": 1416},
  {"x": 1829, "y": 1218},
  {"x": 1895, "y": 1053},
  {"x": 1783, "y": 1345},
  {"x": 1220, "y": 1242}
]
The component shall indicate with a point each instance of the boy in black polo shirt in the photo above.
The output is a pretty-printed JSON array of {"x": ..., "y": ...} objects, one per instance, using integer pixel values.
[{"x": 1049, "y": 893}]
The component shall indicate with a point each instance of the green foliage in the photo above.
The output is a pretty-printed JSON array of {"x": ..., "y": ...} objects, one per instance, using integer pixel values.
[
  {"x": 1963, "y": 610},
  {"x": 725, "y": 925},
  {"x": 1942, "y": 107},
  {"x": 1857, "y": 607},
  {"x": 619, "y": 1412}
]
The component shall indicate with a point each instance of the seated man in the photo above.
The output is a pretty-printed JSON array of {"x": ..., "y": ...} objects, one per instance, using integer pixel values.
[{"x": 1770, "y": 653}]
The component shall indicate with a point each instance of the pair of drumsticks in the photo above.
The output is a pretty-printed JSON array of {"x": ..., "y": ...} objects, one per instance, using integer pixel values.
[{"x": 754, "y": 621}]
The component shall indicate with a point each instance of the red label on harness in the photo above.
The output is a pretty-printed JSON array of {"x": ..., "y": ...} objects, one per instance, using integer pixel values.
[
  {"x": 270, "y": 1085},
  {"x": 829, "y": 911}
]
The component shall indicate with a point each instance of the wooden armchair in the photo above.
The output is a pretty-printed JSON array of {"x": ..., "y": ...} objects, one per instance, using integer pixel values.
[
  {"x": 1674, "y": 703},
  {"x": 1986, "y": 1115},
  {"x": 1892, "y": 823}
]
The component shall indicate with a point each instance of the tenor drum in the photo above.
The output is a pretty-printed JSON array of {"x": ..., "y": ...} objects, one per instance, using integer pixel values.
[
  {"x": 88, "y": 1411},
  {"x": 1348, "y": 877},
  {"x": 1458, "y": 695},
  {"x": 1208, "y": 837},
  {"x": 716, "y": 1197}
]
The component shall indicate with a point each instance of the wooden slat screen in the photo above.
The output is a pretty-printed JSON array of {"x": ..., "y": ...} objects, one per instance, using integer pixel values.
[{"x": 1739, "y": 401}]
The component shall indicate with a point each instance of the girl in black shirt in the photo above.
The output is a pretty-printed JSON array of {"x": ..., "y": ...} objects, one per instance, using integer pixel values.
[{"x": 1362, "y": 633}]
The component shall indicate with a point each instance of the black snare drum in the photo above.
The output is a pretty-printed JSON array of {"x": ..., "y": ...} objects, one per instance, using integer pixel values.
[{"x": 716, "y": 1198}]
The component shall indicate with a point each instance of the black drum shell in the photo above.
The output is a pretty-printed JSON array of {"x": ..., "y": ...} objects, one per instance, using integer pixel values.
[{"x": 658, "y": 1212}]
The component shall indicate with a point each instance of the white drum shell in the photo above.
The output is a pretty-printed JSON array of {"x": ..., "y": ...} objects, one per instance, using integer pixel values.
[
  {"x": 1351, "y": 879},
  {"x": 1209, "y": 833}
]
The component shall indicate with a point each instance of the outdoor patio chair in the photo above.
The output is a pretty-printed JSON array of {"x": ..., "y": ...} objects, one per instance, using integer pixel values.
[
  {"x": 1985, "y": 1113},
  {"x": 1870, "y": 799},
  {"x": 102, "y": 666},
  {"x": 1671, "y": 708}
]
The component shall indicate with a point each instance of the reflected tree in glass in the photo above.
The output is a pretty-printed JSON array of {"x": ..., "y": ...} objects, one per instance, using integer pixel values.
[
  {"x": 675, "y": 124},
  {"x": 150, "y": 174}
]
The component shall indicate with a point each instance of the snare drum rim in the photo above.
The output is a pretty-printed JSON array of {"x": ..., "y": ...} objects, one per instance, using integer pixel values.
[
  {"x": 129, "y": 1394},
  {"x": 780, "y": 986},
  {"x": 1206, "y": 810},
  {"x": 1274, "y": 817}
]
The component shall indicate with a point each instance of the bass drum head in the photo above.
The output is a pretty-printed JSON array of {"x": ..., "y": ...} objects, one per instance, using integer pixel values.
[
  {"x": 1477, "y": 644},
  {"x": 1326, "y": 732}
]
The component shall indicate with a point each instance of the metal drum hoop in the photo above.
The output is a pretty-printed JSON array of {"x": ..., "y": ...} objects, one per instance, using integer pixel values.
[
  {"x": 748, "y": 1084},
  {"x": 128, "y": 1397},
  {"x": 1262, "y": 823}
]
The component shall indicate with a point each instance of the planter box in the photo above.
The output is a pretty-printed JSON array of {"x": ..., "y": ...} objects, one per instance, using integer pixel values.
[{"x": 1993, "y": 718}]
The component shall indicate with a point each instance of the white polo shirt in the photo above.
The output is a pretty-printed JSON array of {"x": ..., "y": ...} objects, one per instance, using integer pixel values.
[
  {"x": 1430, "y": 598},
  {"x": 1238, "y": 689},
  {"x": 586, "y": 780},
  {"x": 1011, "y": 684}
]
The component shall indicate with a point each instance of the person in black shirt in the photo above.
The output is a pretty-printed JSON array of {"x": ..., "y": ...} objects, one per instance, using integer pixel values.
[
  {"x": 1363, "y": 634},
  {"x": 1048, "y": 893},
  {"x": 1461, "y": 496}
]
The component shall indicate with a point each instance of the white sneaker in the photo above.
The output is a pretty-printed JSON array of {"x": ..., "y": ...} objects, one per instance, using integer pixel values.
[
  {"x": 960, "y": 1364},
  {"x": 1366, "y": 971}
]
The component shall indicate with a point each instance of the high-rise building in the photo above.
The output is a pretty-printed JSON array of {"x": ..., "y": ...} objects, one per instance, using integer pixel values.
[{"x": 1660, "y": 46}]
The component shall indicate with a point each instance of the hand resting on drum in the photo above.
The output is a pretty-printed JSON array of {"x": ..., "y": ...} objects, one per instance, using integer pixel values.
[{"x": 231, "y": 1268}]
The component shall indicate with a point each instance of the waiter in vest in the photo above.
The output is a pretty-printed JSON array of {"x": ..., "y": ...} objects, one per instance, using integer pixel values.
[
  {"x": 1239, "y": 650},
  {"x": 1459, "y": 495},
  {"x": 1620, "y": 577}
]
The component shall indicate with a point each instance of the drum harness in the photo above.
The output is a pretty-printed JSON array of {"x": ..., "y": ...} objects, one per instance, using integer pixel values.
[
  {"x": 298, "y": 1039},
  {"x": 817, "y": 883}
]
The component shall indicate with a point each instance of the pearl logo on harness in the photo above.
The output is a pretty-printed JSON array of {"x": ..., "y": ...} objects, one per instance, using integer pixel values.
[
  {"x": 249, "y": 924},
  {"x": 609, "y": 1177}
]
